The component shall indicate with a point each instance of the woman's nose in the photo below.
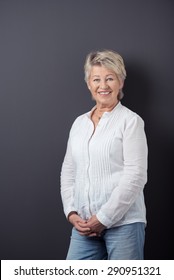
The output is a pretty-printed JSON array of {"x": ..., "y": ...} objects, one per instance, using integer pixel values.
[{"x": 103, "y": 84}]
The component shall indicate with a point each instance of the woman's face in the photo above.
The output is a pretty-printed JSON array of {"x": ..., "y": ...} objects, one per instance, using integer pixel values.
[{"x": 104, "y": 86}]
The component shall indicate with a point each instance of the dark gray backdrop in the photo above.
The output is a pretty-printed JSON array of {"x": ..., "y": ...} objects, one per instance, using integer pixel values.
[{"x": 43, "y": 45}]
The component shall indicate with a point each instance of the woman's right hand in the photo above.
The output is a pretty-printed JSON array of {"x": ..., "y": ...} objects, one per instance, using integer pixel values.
[{"x": 75, "y": 219}]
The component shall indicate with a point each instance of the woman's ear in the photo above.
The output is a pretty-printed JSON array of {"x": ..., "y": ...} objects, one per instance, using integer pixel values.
[
  {"x": 121, "y": 83},
  {"x": 88, "y": 86}
]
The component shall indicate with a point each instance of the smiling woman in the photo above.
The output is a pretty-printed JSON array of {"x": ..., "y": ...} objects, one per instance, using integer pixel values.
[
  {"x": 105, "y": 169},
  {"x": 104, "y": 75},
  {"x": 104, "y": 86}
]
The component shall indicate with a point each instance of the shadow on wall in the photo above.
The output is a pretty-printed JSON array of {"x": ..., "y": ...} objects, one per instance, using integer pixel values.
[{"x": 139, "y": 88}]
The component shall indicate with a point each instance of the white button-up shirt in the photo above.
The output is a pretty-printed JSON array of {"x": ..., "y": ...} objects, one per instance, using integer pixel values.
[{"x": 104, "y": 171}]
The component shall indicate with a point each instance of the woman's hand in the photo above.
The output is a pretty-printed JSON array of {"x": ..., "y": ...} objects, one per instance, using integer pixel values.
[
  {"x": 94, "y": 225},
  {"x": 79, "y": 224}
]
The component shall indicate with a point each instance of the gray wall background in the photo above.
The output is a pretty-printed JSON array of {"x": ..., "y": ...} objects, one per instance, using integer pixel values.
[{"x": 43, "y": 45}]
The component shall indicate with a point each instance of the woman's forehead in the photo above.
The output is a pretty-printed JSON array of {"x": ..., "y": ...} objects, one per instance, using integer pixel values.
[{"x": 98, "y": 70}]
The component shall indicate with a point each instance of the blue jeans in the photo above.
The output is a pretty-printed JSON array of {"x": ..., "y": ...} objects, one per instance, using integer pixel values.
[{"x": 119, "y": 243}]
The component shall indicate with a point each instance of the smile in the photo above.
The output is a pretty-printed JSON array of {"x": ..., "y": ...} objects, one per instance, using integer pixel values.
[{"x": 104, "y": 92}]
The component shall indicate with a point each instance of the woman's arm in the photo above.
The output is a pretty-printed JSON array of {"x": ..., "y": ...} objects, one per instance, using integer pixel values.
[
  {"x": 134, "y": 175},
  {"x": 67, "y": 193},
  {"x": 67, "y": 181}
]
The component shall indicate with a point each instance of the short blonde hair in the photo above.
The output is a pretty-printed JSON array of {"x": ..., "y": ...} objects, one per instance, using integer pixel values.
[{"x": 110, "y": 59}]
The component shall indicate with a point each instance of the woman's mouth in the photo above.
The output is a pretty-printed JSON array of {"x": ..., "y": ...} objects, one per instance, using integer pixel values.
[{"x": 104, "y": 93}]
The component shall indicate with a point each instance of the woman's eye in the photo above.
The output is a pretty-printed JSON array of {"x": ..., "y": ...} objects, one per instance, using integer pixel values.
[
  {"x": 96, "y": 80},
  {"x": 109, "y": 79}
]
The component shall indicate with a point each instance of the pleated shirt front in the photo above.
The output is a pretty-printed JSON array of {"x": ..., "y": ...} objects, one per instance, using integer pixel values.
[{"x": 104, "y": 171}]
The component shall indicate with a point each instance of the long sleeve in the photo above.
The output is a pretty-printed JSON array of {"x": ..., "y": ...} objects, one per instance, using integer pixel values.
[
  {"x": 67, "y": 181},
  {"x": 134, "y": 175}
]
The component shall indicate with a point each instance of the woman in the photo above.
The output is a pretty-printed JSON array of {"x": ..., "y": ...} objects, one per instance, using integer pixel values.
[{"x": 105, "y": 169}]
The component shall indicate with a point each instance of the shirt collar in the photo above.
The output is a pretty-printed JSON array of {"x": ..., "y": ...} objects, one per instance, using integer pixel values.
[{"x": 105, "y": 114}]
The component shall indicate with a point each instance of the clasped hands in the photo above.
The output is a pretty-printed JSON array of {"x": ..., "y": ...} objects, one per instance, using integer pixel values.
[{"x": 91, "y": 227}]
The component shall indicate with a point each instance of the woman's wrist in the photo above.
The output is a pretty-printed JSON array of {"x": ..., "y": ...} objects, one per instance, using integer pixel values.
[{"x": 72, "y": 213}]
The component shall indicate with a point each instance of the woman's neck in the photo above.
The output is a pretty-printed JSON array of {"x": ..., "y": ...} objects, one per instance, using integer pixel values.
[{"x": 100, "y": 108}]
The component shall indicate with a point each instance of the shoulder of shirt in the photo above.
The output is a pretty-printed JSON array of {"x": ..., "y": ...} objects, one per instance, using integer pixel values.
[
  {"x": 78, "y": 120},
  {"x": 81, "y": 117},
  {"x": 130, "y": 115}
]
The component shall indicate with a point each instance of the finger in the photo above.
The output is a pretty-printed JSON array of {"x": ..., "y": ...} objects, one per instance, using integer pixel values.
[
  {"x": 83, "y": 225},
  {"x": 80, "y": 220},
  {"x": 93, "y": 234},
  {"x": 81, "y": 229},
  {"x": 84, "y": 233}
]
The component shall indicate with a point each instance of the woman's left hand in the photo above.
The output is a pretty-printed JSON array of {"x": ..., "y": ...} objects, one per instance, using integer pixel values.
[{"x": 95, "y": 226}]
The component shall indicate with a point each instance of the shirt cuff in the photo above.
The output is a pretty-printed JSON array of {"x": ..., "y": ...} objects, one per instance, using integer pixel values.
[
  {"x": 104, "y": 220},
  {"x": 68, "y": 211}
]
